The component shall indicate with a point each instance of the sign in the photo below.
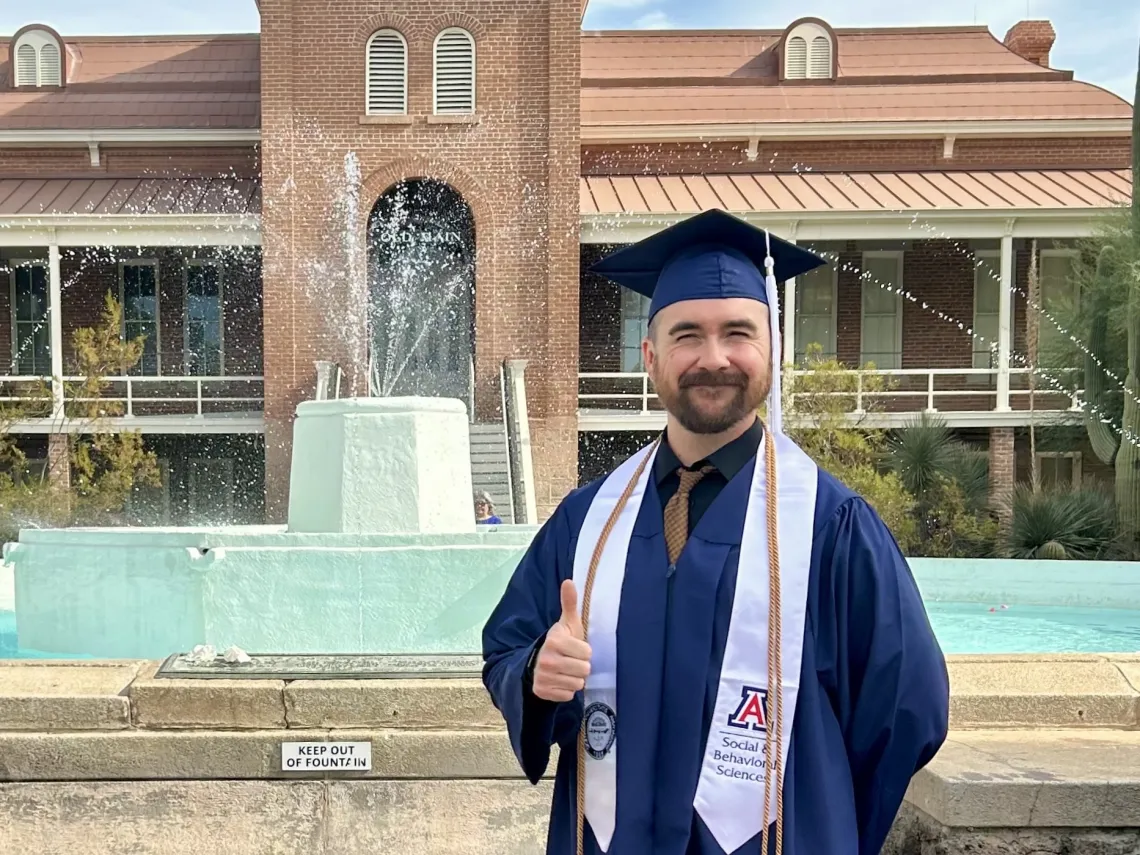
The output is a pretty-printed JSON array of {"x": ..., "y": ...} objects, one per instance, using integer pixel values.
[{"x": 326, "y": 756}]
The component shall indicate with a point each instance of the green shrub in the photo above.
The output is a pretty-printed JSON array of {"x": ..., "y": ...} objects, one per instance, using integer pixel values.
[{"x": 1060, "y": 524}]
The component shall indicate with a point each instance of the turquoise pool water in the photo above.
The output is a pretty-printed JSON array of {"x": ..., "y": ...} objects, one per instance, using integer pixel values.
[{"x": 960, "y": 627}]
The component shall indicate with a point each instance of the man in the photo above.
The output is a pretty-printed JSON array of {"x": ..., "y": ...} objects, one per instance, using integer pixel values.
[{"x": 754, "y": 670}]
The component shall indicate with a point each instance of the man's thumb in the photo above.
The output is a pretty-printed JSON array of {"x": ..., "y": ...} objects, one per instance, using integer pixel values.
[{"x": 570, "y": 618}]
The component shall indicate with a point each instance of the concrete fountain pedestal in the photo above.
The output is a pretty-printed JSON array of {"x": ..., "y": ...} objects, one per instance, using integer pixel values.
[
  {"x": 381, "y": 466},
  {"x": 381, "y": 555}
]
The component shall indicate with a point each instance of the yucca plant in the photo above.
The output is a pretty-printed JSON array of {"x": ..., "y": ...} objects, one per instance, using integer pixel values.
[
  {"x": 950, "y": 483},
  {"x": 1059, "y": 524},
  {"x": 921, "y": 453}
]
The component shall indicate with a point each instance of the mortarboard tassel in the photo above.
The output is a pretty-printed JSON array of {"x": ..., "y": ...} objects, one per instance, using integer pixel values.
[{"x": 775, "y": 401}]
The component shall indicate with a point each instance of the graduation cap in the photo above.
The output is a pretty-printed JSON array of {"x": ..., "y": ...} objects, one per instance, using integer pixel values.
[{"x": 713, "y": 255}]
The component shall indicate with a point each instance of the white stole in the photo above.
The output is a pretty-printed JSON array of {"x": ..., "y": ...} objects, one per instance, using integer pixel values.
[{"x": 730, "y": 793}]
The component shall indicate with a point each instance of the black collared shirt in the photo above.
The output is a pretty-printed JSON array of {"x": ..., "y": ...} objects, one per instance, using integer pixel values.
[{"x": 728, "y": 460}]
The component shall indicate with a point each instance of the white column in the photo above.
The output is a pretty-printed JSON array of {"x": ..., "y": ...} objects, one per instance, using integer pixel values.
[
  {"x": 789, "y": 309},
  {"x": 1005, "y": 310},
  {"x": 55, "y": 330}
]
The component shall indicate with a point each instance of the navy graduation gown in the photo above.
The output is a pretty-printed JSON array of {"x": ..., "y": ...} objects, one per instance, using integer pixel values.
[{"x": 873, "y": 703}]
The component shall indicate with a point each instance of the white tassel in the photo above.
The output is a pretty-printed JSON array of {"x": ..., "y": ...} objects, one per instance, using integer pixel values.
[{"x": 775, "y": 400}]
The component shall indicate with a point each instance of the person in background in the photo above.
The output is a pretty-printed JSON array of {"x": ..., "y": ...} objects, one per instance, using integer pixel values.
[{"x": 485, "y": 509}]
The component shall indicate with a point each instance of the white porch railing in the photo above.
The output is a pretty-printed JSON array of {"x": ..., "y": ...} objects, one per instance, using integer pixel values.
[
  {"x": 975, "y": 389},
  {"x": 142, "y": 396}
]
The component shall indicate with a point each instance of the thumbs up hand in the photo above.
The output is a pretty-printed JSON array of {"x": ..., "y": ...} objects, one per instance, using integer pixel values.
[{"x": 564, "y": 661}]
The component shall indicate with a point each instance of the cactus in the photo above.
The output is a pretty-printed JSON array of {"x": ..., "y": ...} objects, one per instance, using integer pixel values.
[
  {"x": 1128, "y": 457},
  {"x": 1052, "y": 550},
  {"x": 1103, "y": 440}
]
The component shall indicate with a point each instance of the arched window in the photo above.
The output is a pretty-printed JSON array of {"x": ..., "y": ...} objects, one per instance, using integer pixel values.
[
  {"x": 39, "y": 59},
  {"x": 809, "y": 52},
  {"x": 454, "y": 72},
  {"x": 387, "y": 81}
]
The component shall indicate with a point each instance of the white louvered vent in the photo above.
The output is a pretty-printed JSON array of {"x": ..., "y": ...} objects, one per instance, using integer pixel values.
[
  {"x": 455, "y": 72},
  {"x": 820, "y": 57},
  {"x": 795, "y": 58},
  {"x": 387, "y": 84},
  {"x": 26, "y": 66},
  {"x": 39, "y": 59},
  {"x": 51, "y": 69}
]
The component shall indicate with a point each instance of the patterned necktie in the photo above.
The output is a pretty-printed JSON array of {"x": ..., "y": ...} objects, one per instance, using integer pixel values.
[{"x": 677, "y": 511}]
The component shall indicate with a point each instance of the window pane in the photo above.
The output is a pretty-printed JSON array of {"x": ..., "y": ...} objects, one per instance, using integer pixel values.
[
  {"x": 813, "y": 330},
  {"x": 987, "y": 286},
  {"x": 814, "y": 292},
  {"x": 203, "y": 280},
  {"x": 31, "y": 293},
  {"x": 878, "y": 301},
  {"x": 204, "y": 321},
  {"x": 148, "y": 363},
  {"x": 634, "y": 326},
  {"x": 32, "y": 349}
]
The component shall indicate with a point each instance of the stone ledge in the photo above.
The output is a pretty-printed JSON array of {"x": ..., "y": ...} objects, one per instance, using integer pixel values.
[
  {"x": 1033, "y": 779},
  {"x": 49, "y": 695},
  {"x": 1092, "y": 692},
  {"x": 916, "y": 833},
  {"x": 217, "y": 755},
  {"x": 1018, "y": 691},
  {"x": 412, "y": 703},
  {"x": 228, "y": 704}
]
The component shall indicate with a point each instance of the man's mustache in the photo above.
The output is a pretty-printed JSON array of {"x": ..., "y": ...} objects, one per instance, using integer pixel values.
[{"x": 713, "y": 378}]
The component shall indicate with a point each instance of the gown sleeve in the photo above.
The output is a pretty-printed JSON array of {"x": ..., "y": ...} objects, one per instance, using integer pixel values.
[
  {"x": 517, "y": 627},
  {"x": 892, "y": 684}
]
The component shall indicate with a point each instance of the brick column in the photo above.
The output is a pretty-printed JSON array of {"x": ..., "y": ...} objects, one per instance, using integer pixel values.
[
  {"x": 59, "y": 462},
  {"x": 1002, "y": 471}
]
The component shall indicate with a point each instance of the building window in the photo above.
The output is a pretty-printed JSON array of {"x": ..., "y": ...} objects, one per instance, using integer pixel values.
[
  {"x": 211, "y": 491},
  {"x": 987, "y": 302},
  {"x": 31, "y": 336},
  {"x": 1060, "y": 296},
  {"x": 204, "y": 319},
  {"x": 138, "y": 295},
  {"x": 816, "y": 293},
  {"x": 387, "y": 77},
  {"x": 808, "y": 53},
  {"x": 39, "y": 59},
  {"x": 634, "y": 327},
  {"x": 454, "y": 72},
  {"x": 882, "y": 309},
  {"x": 1058, "y": 468}
]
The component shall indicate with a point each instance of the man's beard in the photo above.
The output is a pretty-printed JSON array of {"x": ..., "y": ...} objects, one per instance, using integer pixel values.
[{"x": 680, "y": 403}]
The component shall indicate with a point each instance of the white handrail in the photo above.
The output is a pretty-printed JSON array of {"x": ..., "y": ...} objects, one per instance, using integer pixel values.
[{"x": 644, "y": 394}]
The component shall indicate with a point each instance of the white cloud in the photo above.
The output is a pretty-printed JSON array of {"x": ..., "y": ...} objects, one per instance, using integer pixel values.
[{"x": 657, "y": 20}]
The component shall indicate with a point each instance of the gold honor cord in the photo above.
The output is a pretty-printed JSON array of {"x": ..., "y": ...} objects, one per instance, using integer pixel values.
[{"x": 775, "y": 672}]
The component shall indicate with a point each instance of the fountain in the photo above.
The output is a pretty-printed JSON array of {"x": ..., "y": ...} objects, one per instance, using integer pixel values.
[{"x": 381, "y": 553}]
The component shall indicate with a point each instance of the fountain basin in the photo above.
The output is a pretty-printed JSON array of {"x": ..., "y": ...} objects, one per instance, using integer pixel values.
[{"x": 134, "y": 593}]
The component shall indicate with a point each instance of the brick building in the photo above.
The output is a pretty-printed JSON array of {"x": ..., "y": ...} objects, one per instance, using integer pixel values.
[{"x": 262, "y": 203}]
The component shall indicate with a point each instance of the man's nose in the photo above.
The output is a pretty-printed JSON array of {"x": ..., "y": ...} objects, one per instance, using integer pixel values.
[{"x": 713, "y": 355}]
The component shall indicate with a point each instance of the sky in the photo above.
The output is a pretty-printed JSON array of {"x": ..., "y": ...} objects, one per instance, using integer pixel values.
[{"x": 1096, "y": 39}]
